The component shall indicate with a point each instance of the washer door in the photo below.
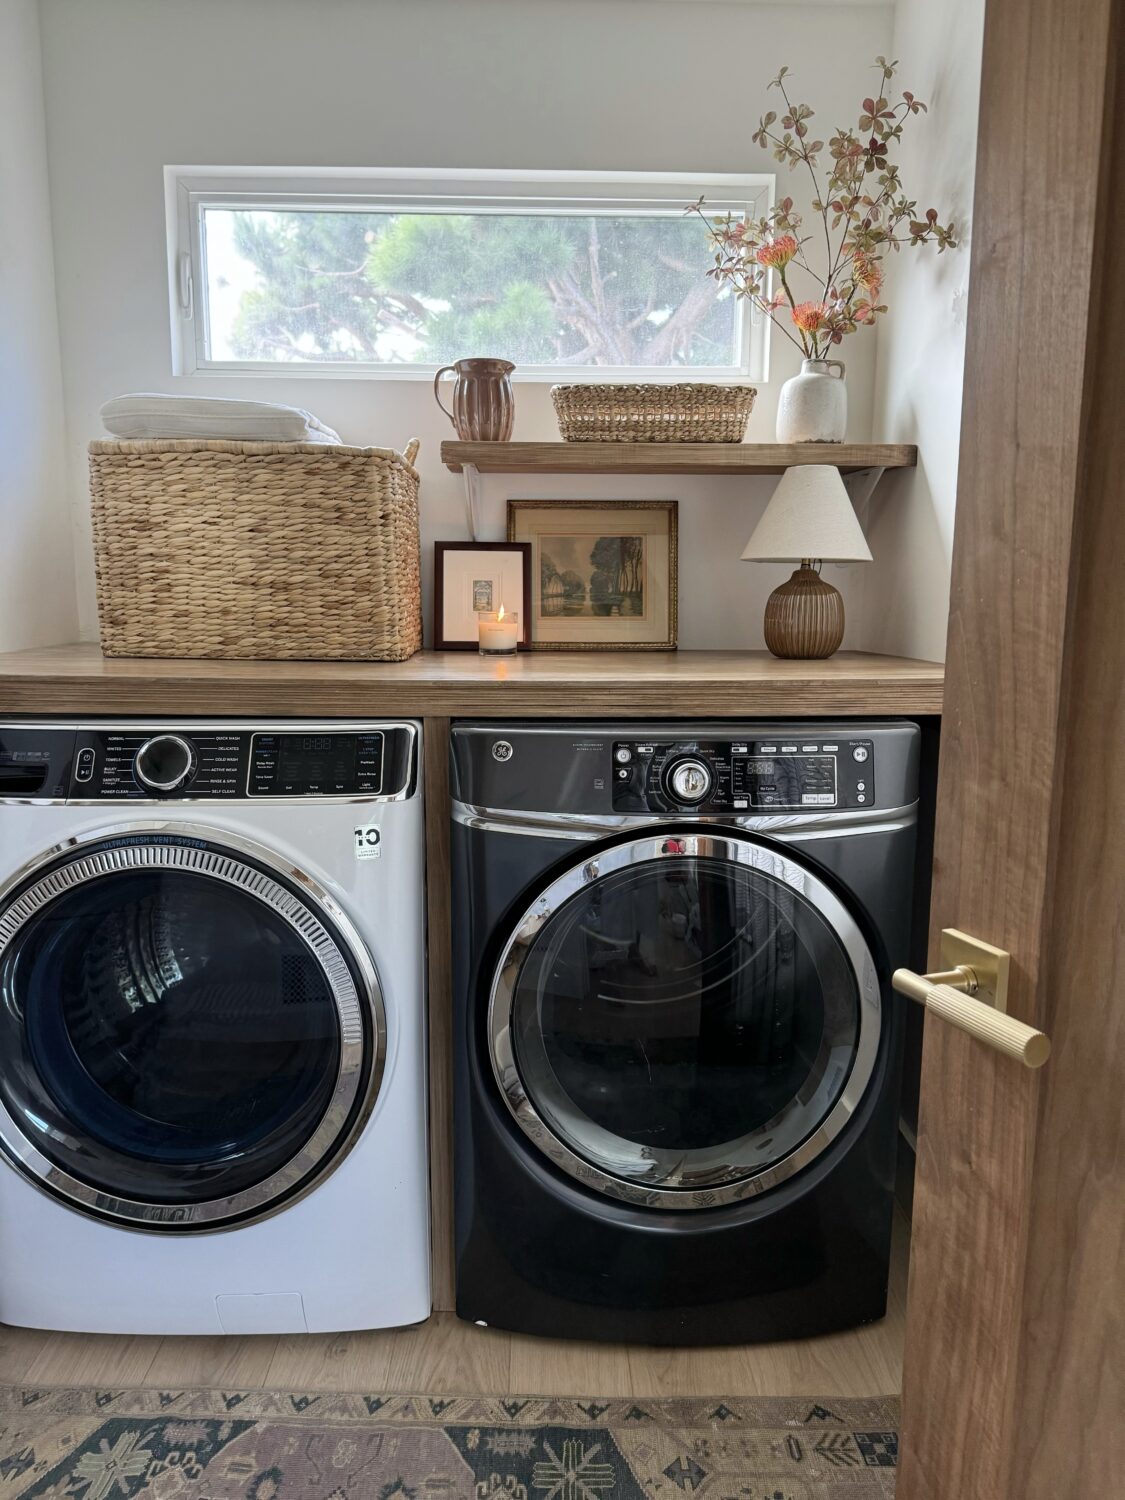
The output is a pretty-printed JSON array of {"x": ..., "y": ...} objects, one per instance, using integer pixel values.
[
  {"x": 684, "y": 1020},
  {"x": 188, "y": 1036}
]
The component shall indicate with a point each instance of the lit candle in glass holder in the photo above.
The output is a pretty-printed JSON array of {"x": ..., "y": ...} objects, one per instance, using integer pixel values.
[{"x": 498, "y": 632}]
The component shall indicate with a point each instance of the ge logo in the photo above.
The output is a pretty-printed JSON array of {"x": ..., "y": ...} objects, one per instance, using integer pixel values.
[{"x": 502, "y": 750}]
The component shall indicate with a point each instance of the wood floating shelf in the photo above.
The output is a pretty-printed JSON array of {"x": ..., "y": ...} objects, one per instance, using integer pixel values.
[
  {"x": 744, "y": 684},
  {"x": 672, "y": 458}
]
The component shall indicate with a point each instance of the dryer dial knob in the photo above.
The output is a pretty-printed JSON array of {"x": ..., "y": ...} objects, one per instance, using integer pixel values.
[
  {"x": 689, "y": 780},
  {"x": 164, "y": 763}
]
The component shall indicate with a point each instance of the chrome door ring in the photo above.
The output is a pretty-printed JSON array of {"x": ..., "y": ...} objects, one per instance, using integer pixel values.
[
  {"x": 139, "y": 846},
  {"x": 716, "y": 1190}
]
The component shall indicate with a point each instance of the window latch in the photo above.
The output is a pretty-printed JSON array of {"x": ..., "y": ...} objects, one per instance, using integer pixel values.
[{"x": 184, "y": 287}]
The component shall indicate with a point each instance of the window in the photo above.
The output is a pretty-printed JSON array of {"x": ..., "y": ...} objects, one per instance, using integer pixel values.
[{"x": 396, "y": 274}]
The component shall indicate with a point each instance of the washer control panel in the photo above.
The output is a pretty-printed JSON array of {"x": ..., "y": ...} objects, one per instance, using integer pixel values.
[
  {"x": 135, "y": 762},
  {"x": 128, "y": 763},
  {"x": 751, "y": 775},
  {"x": 309, "y": 765}
]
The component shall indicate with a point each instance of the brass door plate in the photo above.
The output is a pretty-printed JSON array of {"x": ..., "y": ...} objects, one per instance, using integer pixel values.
[{"x": 989, "y": 964}]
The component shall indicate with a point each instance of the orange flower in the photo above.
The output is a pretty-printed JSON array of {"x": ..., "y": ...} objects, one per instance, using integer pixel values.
[
  {"x": 810, "y": 316},
  {"x": 868, "y": 272},
  {"x": 778, "y": 252}
]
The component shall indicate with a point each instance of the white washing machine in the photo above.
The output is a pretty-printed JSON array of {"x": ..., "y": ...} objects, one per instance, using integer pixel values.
[{"x": 212, "y": 1027}]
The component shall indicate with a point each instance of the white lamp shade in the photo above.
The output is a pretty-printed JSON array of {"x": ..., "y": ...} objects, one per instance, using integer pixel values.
[{"x": 809, "y": 515}]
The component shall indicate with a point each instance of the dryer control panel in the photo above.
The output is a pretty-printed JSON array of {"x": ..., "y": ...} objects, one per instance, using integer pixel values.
[
  {"x": 684, "y": 769},
  {"x": 748, "y": 775},
  {"x": 139, "y": 762}
]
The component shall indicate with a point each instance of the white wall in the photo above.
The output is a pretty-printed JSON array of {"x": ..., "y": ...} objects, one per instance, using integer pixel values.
[
  {"x": 37, "y": 597},
  {"x": 134, "y": 84},
  {"x": 904, "y": 605}
]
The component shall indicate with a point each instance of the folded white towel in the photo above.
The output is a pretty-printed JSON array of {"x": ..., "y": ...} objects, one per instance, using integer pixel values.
[{"x": 146, "y": 414}]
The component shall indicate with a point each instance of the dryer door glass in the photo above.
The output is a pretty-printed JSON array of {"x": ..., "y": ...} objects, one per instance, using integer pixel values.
[
  {"x": 181, "y": 1036},
  {"x": 685, "y": 1023}
]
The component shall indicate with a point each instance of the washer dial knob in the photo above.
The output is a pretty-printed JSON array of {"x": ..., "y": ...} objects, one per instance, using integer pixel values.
[
  {"x": 689, "y": 780},
  {"x": 164, "y": 763}
]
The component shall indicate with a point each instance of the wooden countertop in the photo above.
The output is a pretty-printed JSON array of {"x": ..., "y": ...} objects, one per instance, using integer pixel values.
[{"x": 79, "y": 680}]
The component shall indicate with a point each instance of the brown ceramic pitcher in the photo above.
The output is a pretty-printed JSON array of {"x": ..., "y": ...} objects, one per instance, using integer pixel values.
[{"x": 483, "y": 404}]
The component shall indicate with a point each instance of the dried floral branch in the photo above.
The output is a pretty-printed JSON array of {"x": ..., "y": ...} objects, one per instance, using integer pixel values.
[{"x": 863, "y": 210}]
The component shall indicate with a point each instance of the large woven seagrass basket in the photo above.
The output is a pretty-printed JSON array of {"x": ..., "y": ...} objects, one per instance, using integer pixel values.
[{"x": 268, "y": 550}]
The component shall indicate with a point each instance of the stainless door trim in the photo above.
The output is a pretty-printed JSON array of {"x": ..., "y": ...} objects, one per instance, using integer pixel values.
[
  {"x": 324, "y": 1148},
  {"x": 584, "y": 827},
  {"x": 718, "y": 1188}
]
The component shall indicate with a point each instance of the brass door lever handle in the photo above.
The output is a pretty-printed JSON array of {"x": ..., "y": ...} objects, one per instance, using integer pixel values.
[{"x": 951, "y": 994}]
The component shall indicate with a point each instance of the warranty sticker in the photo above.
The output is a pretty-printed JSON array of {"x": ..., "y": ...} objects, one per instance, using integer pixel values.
[{"x": 368, "y": 842}]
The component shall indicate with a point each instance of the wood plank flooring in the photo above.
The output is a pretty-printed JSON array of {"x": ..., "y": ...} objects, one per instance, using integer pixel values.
[{"x": 447, "y": 1356}]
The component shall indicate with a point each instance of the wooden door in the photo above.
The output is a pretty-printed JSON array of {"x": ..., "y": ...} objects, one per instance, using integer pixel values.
[{"x": 1014, "y": 1385}]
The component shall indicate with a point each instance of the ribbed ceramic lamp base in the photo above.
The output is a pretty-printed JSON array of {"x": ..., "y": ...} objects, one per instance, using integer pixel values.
[{"x": 804, "y": 617}]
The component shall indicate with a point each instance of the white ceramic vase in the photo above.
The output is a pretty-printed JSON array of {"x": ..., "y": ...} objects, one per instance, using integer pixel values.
[{"x": 814, "y": 404}]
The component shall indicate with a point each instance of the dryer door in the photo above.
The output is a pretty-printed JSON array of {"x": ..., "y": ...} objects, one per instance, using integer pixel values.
[
  {"x": 684, "y": 1020},
  {"x": 190, "y": 1033}
]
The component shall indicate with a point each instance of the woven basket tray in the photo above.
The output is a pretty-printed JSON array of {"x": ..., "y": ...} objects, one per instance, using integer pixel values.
[
  {"x": 686, "y": 413},
  {"x": 268, "y": 550}
]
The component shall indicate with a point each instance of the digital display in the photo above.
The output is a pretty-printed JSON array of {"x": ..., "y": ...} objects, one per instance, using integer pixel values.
[
  {"x": 316, "y": 765},
  {"x": 313, "y": 759},
  {"x": 786, "y": 780}
]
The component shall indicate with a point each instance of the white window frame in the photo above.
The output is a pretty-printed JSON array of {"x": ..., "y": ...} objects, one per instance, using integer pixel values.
[{"x": 190, "y": 190}]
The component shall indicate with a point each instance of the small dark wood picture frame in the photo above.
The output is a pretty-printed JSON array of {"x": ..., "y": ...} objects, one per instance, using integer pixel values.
[{"x": 442, "y": 550}]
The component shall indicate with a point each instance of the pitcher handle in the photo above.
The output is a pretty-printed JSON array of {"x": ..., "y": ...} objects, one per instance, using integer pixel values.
[
  {"x": 445, "y": 370},
  {"x": 836, "y": 364}
]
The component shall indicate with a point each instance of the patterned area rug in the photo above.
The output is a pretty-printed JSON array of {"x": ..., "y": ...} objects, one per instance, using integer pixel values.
[{"x": 266, "y": 1445}]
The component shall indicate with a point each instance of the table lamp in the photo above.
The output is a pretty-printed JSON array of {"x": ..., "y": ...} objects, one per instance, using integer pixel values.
[{"x": 809, "y": 520}]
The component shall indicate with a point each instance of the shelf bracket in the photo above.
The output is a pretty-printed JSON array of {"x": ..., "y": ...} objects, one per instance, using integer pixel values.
[
  {"x": 860, "y": 484},
  {"x": 471, "y": 475}
]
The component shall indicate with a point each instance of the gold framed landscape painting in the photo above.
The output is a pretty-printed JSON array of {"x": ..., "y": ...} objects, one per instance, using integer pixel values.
[{"x": 603, "y": 572}]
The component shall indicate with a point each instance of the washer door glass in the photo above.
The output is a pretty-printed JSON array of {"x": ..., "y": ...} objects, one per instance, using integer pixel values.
[
  {"x": 683, "y": 1022},
  {"x": 171, "y": 1032}
]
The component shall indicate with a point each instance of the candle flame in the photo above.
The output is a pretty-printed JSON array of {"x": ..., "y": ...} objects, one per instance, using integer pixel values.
[{"x": 500, "y": 616}]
